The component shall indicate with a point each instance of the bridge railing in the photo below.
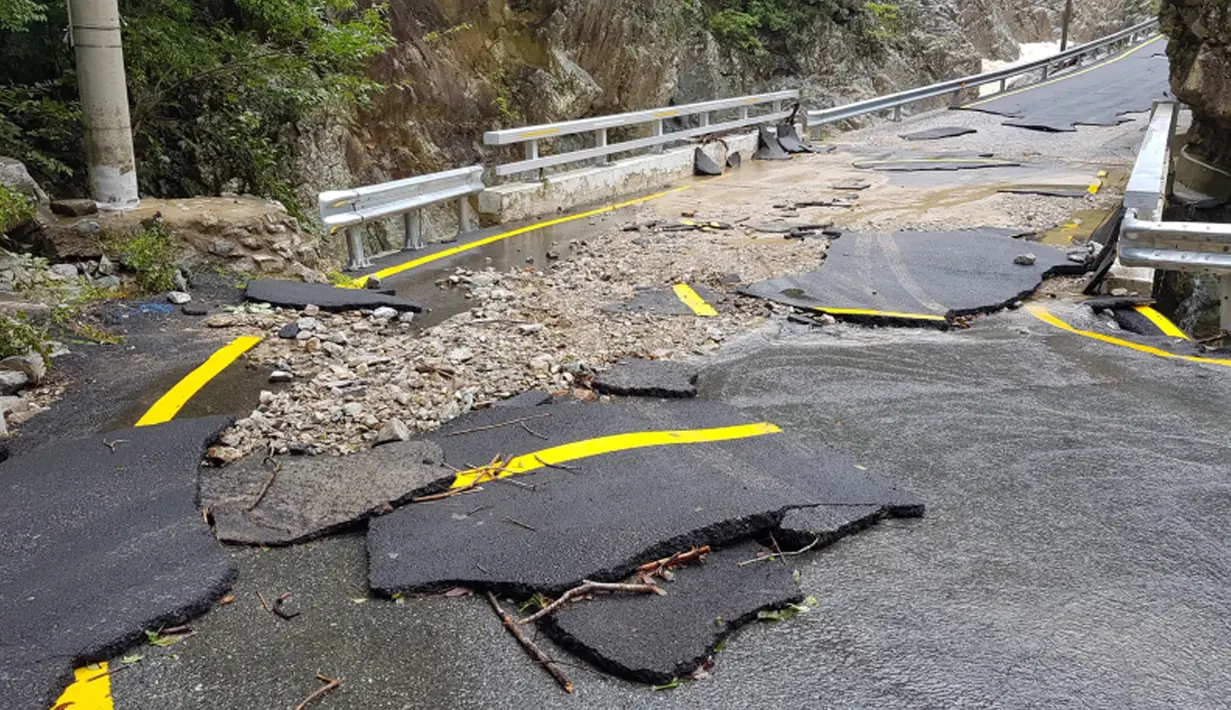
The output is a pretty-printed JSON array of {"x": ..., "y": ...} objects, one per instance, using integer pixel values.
[
  {"x": 896, "y": 101},
  {"x": 347, "y": 209},
  {"x": 655, "y": 118},
  {"x": 1147, "y": 240}
]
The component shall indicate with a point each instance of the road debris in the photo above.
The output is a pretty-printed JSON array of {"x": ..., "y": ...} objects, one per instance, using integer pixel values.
[
  {"x": 531, "y": 648},
  {"x": 587, "y": 588},
  {"x": 330, "y": 684}
]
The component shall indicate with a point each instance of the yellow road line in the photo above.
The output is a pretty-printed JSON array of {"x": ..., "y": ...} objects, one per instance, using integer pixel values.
[
  {"x": 859, "y": 163},
  {"x": 415, "y": 263},
  {"x": 616, "y": 442},
  {"x": 90, "y": 690},
  {"x": 165, "y": 409},
  {"x": 1161, "y": 322},
  {"x": 879, "y": 314},
  {"x": 1042, "y": 314},
  {"x": 1098, "y": 183},
  {"x": 1062, "y": 77},
  {"x": 693, "y": 300}
]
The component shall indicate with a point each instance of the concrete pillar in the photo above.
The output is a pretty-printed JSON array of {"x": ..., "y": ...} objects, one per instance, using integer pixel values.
[{"x": 104, "y": 102}]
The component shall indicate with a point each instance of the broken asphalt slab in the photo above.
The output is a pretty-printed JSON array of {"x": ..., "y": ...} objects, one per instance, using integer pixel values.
[
  {"x": 789, "y": 139},
  {"x": 559, "y": 525},
  {"x": 99, "y": 545},
  {"x": 1047, "y": 190},
  {"x": 297, "y": 294},
  {"x": 934, "y": 162},
  {"x": 638, "y": 377},
  {"x": 1094, "y": 96},
  {"x": 768, "y": 147},
  {"x": 702, "y": 164},
  {"x": 648, "y": 638},
  {"x": 937, "y": 133},
  {"x": 921, "y": 274},
  {"x": 662, "y": 301},
  {"x": 313, "y": 496}
]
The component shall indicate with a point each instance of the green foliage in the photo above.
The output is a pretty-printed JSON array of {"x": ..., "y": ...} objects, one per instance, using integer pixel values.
[
  {"x": 773, "y": 31},
  {"x": 150, "y": 254},
  {"x": 888, "y": 21},
  {"x": 17, "y": 15},
  {"x": 216, "y": 88},
  {"x": 15, "y": 209},
  {"x": 19, "y": 336},
  {"x": 438, "y": 35}
]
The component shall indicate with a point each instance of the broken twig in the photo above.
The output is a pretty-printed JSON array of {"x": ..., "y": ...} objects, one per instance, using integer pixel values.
[
  {"x": 562, "y": 467},
  {"x": 519, "y": 524},
  {"x": 497, "y": 426},
  {"x": 473, "y": 487},
  {"x": 586, "y": 587},
  {"x": 263, "y": 602},
  {"x": 679, "y": 558},
  {"x": 329, "y": 684},
  {"x": 532, "y": 432},
  {"x": 800, "y": 551},
  {"x": 535, "y": 652},
  {"x": 269, "y": 481},
  {"x": 111, "y": 444},
  {"x": 277, "y": 608}
]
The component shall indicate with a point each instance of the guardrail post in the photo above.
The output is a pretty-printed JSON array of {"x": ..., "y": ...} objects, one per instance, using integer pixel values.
[
  {"x": 354, "y": 249},
  {"x": 705, "y": 118},
  {"x": 532, "y": 153},
  {"x": 743, "y": 112},
  {"x": 658, "y": 131},
  {"x": 1003, "y": 85},
  {"x": 897, "y": 114},
  {"x": 463, "y": 215},
  {"x": 1224, "y": 305},
  {"x": 413, "y": 222},
  {"x": 600, "y": 141},
  {"x": 1046, "y": 70}
]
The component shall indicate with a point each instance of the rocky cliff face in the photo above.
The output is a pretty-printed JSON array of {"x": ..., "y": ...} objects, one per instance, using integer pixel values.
[{"x": 1200, "y": 53}]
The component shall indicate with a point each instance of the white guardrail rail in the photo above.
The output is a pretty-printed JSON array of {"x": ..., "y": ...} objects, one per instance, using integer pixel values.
[
  {"x": 347, "y": 209},
  {"x": 1147, "y": 240},
  {"x": 531, "y": 135},
  {"x": 1129, "y": 35}
]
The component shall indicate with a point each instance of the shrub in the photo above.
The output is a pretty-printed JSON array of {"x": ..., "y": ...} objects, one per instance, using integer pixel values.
[{"x": 150, "y": 254}]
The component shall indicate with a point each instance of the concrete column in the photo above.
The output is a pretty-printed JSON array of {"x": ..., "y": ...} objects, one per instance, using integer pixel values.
[
  {"x": 1224, "y": 302},
  {"x": 104, "y": 102},
  {"x": 413, "y": 224}
]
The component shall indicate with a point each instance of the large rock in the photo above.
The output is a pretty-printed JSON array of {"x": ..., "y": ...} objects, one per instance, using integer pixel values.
[
  {"x": 13, "y": 174},
  {"x": 1200, "y": 53}
]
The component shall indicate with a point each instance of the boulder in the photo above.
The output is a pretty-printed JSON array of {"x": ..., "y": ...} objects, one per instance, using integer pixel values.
[
  {"x": 13, "y": 175},
  {"x": 74, "y": 208}
]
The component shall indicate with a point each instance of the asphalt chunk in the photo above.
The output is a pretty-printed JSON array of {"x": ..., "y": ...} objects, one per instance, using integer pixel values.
[
  {"x": 937, "y": 133},
  {"x": 768, "y": 146},
  {"x": 638, "y": 377},
  {"x": 296, "y": 294},
  {"x": 653, "y": 639},
  {"x": 312, "y": 496},
  {"x": 560, "y": 525},
  {"x": 702, "y": 164},
  {"x": 789, "y": 139},
  {"x": 914, "y": 164},
  {"x": 925, "y": 274},
  {"x": 102, "y": 539},
  {"x": 1046, "y": 190},
  {"x": 662, "y": 301},
  {"x": 529, "y": 398}
]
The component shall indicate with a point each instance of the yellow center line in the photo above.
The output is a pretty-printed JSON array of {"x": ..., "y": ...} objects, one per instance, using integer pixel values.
[
  {"x": 1062, "y": 77},
  {"x": 616, "y": 442},
  {"x": 90, "y": 690},
  {"x": 415, "y": 263},
  {"x": 928, "y": 160},
  {"x": 880, "y": 314},
  {"x": 165, "y": 409},
  {"x": 1161, "y": 322},
  {"x": 693, "y": 300},
  {"x": 1042, "y": 314},
  {"x": 1098, "y": 183}
]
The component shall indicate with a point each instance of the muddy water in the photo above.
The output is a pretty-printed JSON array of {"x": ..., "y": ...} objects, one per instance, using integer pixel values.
[{"x": 233, "y": 391}]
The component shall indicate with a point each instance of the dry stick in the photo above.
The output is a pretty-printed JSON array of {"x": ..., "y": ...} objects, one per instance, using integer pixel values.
[
  {"x": 268, "y": 482},
  {"x": 329, "y": 684},
  {"x": 111, "y": 444},
  {"x": 782, "y": 554},
  {"x": 497, "y": 426},
  {"x": 474, "y": 487},
  {"x": 520, "y": 524},
  {"x": 678, "y": 558},
  {"x": 535, "y": 652},
  {"x": 586, "y": 587},
  {"x": 560, "y": 466},
  {"x": 277, "y": 608},
  {"x": 532, "y": 432},
  {"x": 263, "y": 603}
]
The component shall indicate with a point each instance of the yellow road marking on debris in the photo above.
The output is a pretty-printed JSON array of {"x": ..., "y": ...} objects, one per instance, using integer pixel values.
[
  {"x": 90, "y": 689},
  {"x": 859, "y": 163},
  {"x": 1098, "y": 183},
  {"x": 693, "y": 300},
  {"x": 616, "y": 442},
  {"x": 415, "y": 263},
  {"x": 1042, "y": 314},
  {"x": 1062, "y": 77},
  {"x": 165, "y": 409},
  {"x": 1161, "y": 322},
  {"x": 879, "y": 314}
]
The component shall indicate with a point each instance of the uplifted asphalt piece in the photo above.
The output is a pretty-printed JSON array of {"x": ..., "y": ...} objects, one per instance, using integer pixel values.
[
  {"x": 928, "y": 274},
  {"x": 937, "y": 133},
  {"x": 638, "y": 377},
  {"x": 98, "y": 545},
  {"x": 529, "y": 398},
  {"x": 1046, "y": 191},
  {"x": 768, "y": 147},
  {"x": 312, "y": 496},
  {"x": 652, "y": 639},
  {"x": 567, "y": 528},
  {"x": 1107, "y": 234},
  {"x": 662, "y": 301},
  {"x": 1094, "y": 96},
  {"x": 297, "y": 294},
  {"x": 734, "y": 159},
  {"x": 940, "y": 162},
  {"x": 702, "y": 164},
  {"x": 789, "y": 139}
]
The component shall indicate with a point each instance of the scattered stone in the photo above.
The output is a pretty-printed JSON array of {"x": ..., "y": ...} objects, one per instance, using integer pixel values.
[
  {"x": 530, "y": 398},
  {"x": 180, "y": 280},
  {"x": 306, "y": 323},
  {"x": 179, "y": 298},
  {"x": 221, "y": 247},
  {"x": 1025, "y": 259},
  {"x": 280, "y": 376},
  {"x": 106, "y": 267},
  {"x": 406, "y": 317},
  {"x": 33, "y": 311},
  {"x": 220, "y": 320},
  {"x": 12, "y": 381},
  {"x": 635, "y": 377},
  {"x": 384, "y": 313},
  {"x": 352, "y": 409},
  {"x": 329, "y": 347},
  {"x": 552, "y": 255},
  {"x": 311, "y": 309},
  {"x": 460, "y": 355},
  {"x": 32, "y": 366},
  {"x": 530, "y": 328},
  {"x": 1119, "y": 292},
  {"x": 65, "y": 272},
  {"x": 87, "y": 226},
  {"x": 110, "y": 281},
  {"x": 194, "y": 309},
  {"x": 393, "y": 430},
  {"x": 289, "y": 331},
  {"x": 74, "y": 208}
]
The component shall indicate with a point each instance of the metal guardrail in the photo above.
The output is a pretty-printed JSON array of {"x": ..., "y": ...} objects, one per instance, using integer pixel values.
[
  {"x": 1147, "y": 240},
  {"x": 347, "y": 209},
  {"x": 531, "y": 135},
  {"x": 955, "y": 86}
]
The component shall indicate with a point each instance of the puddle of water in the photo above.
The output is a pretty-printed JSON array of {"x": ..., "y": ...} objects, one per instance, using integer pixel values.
[
  {"x": 234, "y": 391},
  {"x": 1077, "y": 228}
]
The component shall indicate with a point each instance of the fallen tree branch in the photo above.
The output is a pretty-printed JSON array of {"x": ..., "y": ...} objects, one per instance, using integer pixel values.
[
  {"x": 329, "y": 684},
  {"x": 586, "y": 587},
  {"x": 535, "y": 652},
  {"x": 497, "y": 426},
  {"x": 562, "y": 467},
  {"x": 279, "y": 611},
  {"x": 448, "y": 494},
  {"x": 532, "y": 432},
  {"x": 780, "y": 554},
  {"x": 273, "y": 474},
  {"x": 679, "y": 558}
]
